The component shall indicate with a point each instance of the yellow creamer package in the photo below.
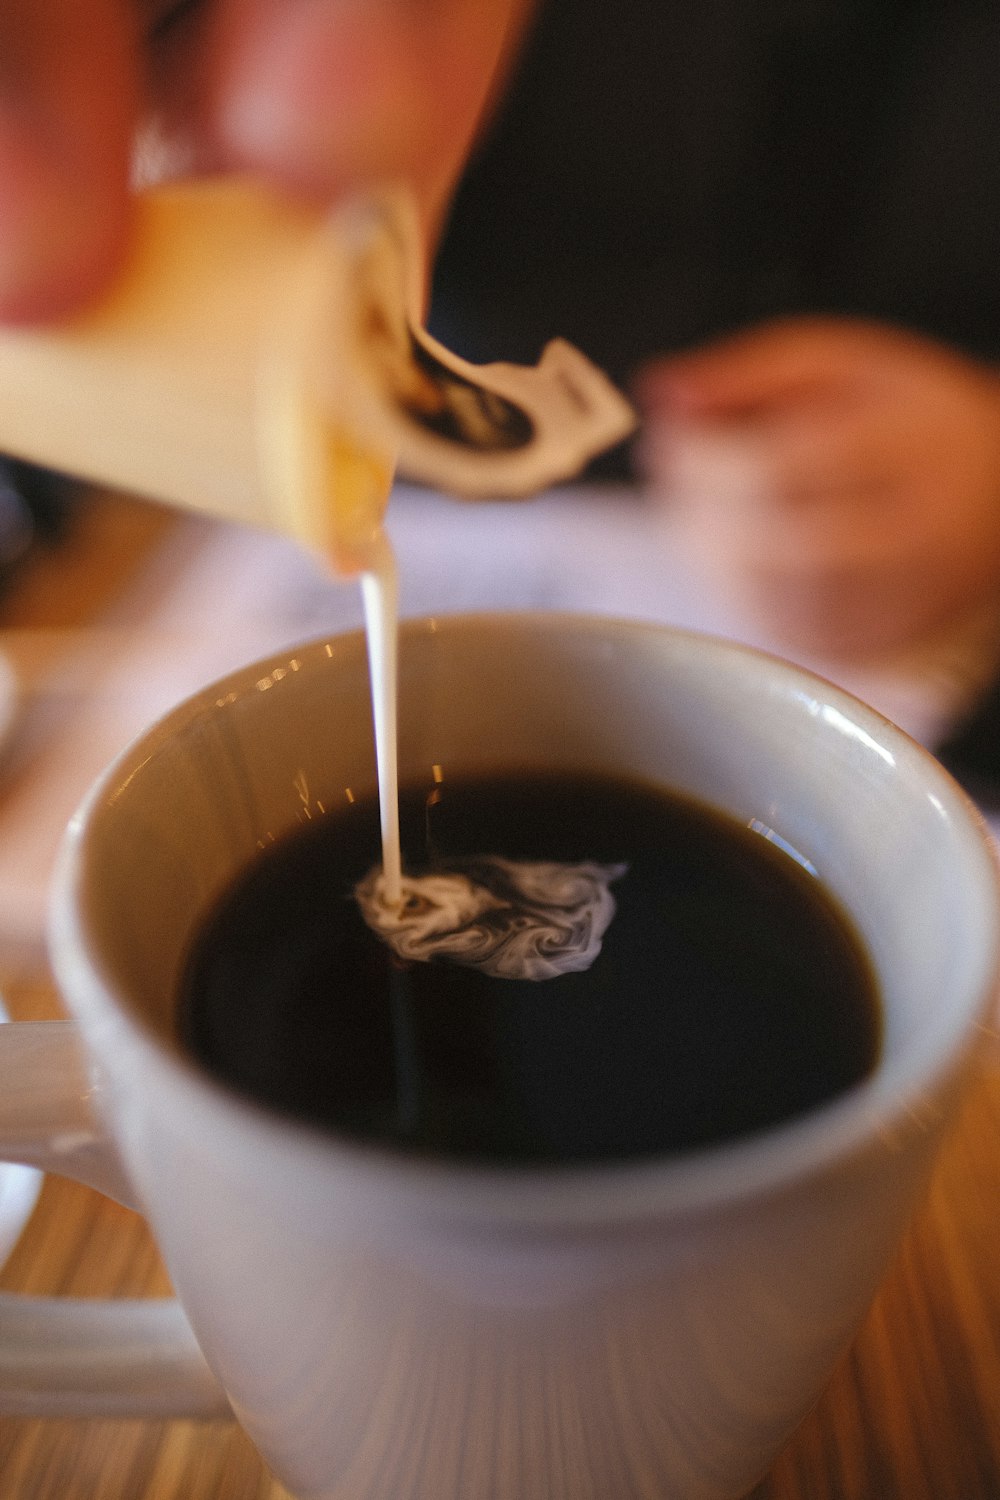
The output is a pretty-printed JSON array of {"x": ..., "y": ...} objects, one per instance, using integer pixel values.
[{"x": 262, "y": 361}]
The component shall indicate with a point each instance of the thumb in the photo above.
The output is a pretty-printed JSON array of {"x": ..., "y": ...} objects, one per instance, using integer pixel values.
[{"x": 67, "y": 102}]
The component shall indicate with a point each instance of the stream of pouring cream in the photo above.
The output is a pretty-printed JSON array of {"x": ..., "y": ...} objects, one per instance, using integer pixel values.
[
  {"x": 212, "y": 350},
  {"x": 539, "y": 920},
  {"x": 380, "y": 597}
]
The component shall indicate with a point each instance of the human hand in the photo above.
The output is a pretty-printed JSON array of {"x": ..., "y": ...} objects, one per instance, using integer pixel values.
[
  {"x": 319, "y": 95},
  {"x": 842, "y": 476},
  {"x": 68, "y": 96}
]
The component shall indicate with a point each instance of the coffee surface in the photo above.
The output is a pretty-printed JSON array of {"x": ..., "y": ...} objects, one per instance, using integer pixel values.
[{"x": 729, "y": 993}]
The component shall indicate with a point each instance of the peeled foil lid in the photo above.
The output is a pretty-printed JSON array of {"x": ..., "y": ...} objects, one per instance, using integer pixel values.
[{"x": 476, "y": 431}]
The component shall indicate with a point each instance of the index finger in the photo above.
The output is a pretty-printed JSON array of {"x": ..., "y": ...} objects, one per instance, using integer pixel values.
[{"x": 328, "y": 96}]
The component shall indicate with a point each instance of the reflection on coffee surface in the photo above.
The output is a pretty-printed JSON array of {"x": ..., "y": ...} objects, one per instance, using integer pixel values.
[{"x": 729, "y": 991}]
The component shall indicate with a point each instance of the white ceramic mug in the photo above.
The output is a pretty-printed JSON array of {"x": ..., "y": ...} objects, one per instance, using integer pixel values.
[{"x": 383, "y": 1325}]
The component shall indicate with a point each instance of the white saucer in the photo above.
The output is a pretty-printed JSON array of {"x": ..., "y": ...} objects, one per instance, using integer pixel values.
[{"x": 19, "y": 1189}]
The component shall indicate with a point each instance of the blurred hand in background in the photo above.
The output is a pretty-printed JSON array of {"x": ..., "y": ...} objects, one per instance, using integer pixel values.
[{"x": 841, "y": 477}]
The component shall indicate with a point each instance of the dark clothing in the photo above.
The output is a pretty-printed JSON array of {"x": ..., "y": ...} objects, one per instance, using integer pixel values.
[{"x": 667, "y": 170}]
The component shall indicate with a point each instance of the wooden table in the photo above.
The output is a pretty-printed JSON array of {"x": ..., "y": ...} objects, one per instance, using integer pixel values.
[{"x": 912, "y": 1413}]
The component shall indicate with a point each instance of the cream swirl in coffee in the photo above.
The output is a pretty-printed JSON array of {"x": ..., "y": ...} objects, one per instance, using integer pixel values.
[{"x": 511, "y": 919}]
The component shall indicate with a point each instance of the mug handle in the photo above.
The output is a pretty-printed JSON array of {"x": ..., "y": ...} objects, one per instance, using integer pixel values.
[{"x": 84, "y": 1357}]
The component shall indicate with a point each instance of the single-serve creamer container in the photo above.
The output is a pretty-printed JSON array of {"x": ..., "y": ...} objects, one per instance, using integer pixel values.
[{"x": 261, "y": 360}]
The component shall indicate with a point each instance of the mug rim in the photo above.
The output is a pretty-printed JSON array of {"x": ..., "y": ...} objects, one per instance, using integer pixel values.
[{"x": 878, "y": 1108}]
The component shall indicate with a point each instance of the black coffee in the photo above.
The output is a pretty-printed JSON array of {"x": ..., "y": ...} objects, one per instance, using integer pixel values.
[{"x": 729, "y": 994}]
